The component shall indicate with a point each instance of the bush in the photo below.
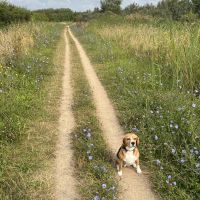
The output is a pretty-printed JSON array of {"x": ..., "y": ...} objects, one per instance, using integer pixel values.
[{"x": 10, "y": 13}]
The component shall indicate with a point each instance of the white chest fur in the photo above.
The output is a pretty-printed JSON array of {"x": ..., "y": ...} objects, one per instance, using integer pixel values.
[{"x": 130, "y": 158}]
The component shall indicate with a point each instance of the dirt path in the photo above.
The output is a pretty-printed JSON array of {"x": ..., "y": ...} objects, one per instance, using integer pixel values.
[
  {"x": 134, "y": 187},
  {"x": 65, "y": 182}
]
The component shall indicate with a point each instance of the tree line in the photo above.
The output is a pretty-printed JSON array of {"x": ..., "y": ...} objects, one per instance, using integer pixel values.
[
  {"x": 170, "y": 9},
  {"x": 10, "y": 13}
]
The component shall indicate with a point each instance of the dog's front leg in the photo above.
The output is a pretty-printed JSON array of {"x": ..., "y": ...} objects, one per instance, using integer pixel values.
[
  {"x": 139, "y": 171},
  {"x": 119, "y": 164}
]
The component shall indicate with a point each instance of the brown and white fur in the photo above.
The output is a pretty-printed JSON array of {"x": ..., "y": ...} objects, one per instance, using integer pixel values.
[{"x": 128, "y": 154}]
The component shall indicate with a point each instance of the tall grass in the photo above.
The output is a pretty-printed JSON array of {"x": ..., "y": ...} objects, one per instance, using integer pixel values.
[
  {"x": 151, "y": 72},
  {"x": 28, "y": 109}
]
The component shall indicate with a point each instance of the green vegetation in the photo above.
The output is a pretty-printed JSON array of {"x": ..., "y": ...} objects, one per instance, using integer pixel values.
[
  {"x": 29, "y": 91},
  {"x": 10, "y": 13},
  {"x": 111, "y": 5},
  {"x": 93, "y": 160},
  {"x": 54, "y": 15},
  {"x": 151, "y": 71}
]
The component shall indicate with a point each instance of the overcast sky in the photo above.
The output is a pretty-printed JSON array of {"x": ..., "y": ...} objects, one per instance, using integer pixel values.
[{"x": 77, "y": 5}]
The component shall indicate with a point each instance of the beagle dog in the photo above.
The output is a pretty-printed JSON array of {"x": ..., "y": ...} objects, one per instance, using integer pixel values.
[{"x": 128, "y": 153}]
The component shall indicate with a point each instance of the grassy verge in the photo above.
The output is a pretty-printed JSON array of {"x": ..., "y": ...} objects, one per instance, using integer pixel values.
[
  {"x": 150, "y": 72},
  {"x": 30, "y": 91},
  {"x": 93, "y": 160}
]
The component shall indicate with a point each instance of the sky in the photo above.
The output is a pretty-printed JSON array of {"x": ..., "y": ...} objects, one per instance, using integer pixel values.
[{"x": 76, "y": 5}]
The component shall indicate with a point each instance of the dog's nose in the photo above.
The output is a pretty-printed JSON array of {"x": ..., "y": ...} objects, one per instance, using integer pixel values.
[{"x": 133, "y": 143}]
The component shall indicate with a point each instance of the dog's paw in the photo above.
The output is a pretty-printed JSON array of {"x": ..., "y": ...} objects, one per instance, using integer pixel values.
[
  {"x": 119, "y": 173},
  {"x": 139, "y": 171},
  {"x": 134, "y": 165}
]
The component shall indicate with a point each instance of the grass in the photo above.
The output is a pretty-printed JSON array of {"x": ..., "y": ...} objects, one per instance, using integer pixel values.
[
  {"x": 29, "y": 90},
  {"x": 150, "y": 70},
  {"x": 93, "y": 160}
]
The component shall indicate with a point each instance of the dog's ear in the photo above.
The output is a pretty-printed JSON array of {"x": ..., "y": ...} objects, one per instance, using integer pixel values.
[
  {"x": 124, "y": 141},
  {"x": 137, "y": 141}
]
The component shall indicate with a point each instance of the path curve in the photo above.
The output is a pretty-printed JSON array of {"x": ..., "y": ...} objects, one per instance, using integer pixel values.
[
  {"x": 133, "y": 186},
  {"x": 65, "y": 181}
]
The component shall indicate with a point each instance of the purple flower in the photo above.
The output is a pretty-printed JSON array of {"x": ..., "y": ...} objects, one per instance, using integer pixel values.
[
  {"x": 169, "y": 177},
  {"x": 90, "y": 157},
  {"x": 176, "y": 126},
  {"x": 174, "y": 183},
  {"x": 135, "y": 130},
  {"x": 104, "y": 185},
  {"x": 96, "y": 197}
]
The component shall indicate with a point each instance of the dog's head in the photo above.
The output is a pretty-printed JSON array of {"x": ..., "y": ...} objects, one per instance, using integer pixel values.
[{"x": 130, "y": 141}]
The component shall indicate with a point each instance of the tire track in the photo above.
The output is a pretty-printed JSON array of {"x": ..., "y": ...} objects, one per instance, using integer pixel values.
[{"x": 65, "y": 181}]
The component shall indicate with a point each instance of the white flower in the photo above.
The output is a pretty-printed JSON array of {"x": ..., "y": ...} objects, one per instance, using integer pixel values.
[
  {"x": 197, "y": 165},
  {"x": 104, "y": 186},
  {"x": 183, "y": 151},
  {"x": 158, "y": 162},
  {"x": 173, "y": 151},
  {"x": 156, "y": 137},
  {"x": 194, "y": 105}
]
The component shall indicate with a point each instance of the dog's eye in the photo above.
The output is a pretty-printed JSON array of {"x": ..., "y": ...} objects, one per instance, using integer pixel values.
[{"x": 128, "y": 139}]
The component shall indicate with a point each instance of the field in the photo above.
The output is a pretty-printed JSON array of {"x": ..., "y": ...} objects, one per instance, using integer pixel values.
[
  {"x": 150, "y": 69},
  {"x": 30, "y": 69}
]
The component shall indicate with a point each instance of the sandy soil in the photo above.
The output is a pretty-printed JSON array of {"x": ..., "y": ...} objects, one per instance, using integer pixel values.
[
  {"x": 65, "y": 181},
  {"x": 133, "y": 186}
]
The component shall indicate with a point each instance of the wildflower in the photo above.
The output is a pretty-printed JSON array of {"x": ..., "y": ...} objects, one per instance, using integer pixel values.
[
  {"x": 196, "y": 152},
  {"x": 174, "y": 183},
  {"x": 173, "y": 151},
  {"x": 135, "y": 130},
  {"x": 151, "y": 111},
  {"x": 169, "y": 177},
  {"x": 96, "y": 197},
  {"x": 171, "y": 125},
  {"x": 88, "y": 135},
  {"x": 184, "y": 151},
  {"x": 158, "y": 162},
  {"x": 88, "y": 151},
  {"x": 156, "y": 137},
  {"x": 90, "y": 157},
  {"x": 176, "y": 126},
  {"x": 161, "y": 167},
  {"x": 182, "y": 161},
  {"x": 197, "y": 165},
  {"x": 167, "y": 181},
  {"x": 194, "y": 105},
  {"x": 104, "y": 185}
]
